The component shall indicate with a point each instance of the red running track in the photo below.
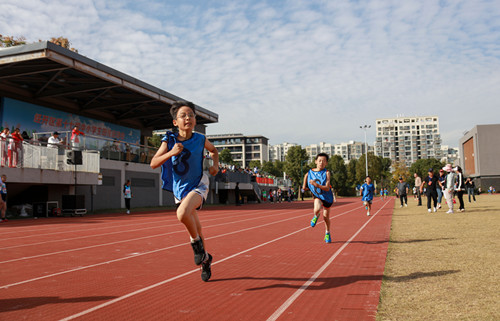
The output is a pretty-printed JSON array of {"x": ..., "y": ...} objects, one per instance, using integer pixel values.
[{"x": 269, "y": 264}]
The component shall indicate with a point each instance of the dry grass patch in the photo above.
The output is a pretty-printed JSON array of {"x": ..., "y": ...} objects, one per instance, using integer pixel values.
[{"x": 443, "y": 266}]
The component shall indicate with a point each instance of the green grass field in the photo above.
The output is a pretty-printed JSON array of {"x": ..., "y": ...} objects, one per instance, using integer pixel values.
[{"x": 443, "y": 266}]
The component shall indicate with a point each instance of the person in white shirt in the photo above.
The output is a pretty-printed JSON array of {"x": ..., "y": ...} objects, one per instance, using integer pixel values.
[{"x": 54, "y": 141}]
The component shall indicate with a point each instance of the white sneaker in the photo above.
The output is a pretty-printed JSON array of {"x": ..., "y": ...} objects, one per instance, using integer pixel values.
[
  {"x": 434, "y": 210},
  {"x": 367, "y": 213},
  {"x": 401, "y": 206},
  {"x": 406, "y": 205},
  {"x": 128, "y": 212},
  {"x": 449, "y": 212},
  {"x": 429, "y": 210}
]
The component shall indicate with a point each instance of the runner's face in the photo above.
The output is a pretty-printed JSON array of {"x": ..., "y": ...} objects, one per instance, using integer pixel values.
[
  {"x": 186, "y": 119},
  {"x": 321, "y": 162}
]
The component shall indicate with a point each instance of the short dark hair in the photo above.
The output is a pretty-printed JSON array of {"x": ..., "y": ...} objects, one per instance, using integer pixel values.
[
  {"x": 322, "y": 155},
  {"x": 178, "y": 104}
]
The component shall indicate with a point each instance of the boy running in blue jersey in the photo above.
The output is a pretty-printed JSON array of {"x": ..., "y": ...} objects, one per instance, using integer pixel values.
[
  {"x": 367, "y": 190},
  {"x": 318, "y": 182},
  {"x": 181, "y": 158}
]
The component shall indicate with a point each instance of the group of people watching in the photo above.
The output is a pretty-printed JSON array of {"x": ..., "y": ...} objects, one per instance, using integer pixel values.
[
  {"x": 450, "y": 182},
  {"x": 11, "y": 147}
]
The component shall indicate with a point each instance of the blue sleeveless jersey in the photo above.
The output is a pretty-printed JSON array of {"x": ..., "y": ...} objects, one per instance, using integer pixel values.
[
  {"x": 182, "y": 173},
  {"x": 320, "y": 178}
]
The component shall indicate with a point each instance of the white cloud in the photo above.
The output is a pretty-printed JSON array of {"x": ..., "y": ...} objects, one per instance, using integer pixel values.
[{"x": 293, "y": 71}]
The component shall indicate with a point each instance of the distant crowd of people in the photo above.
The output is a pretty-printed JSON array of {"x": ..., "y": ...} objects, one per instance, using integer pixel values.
[{"x": 449, "y": 183}]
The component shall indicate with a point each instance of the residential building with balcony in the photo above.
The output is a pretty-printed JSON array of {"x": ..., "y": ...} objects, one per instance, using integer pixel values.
[
  {"x": 408, "y": 139},
  {"x": 279, "y": 152},
  {"x": 243, "y": 148}
]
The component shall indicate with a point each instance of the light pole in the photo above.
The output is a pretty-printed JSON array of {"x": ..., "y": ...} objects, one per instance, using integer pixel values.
[{"x": 366, "y": 147}]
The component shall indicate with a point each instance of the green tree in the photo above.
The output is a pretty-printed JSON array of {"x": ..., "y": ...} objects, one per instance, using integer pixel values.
[
  {"x": 225, "y": 157},
  {"x": 352, "y": 181},
  {"x": 155, "y": 140},
  {"x": 273, "y": 168},
  {"x": 254, "y": 163},
  {"x": 338, "y": 171},
  {"x": 294, "y": 164},
  {"x": 422, "y": 166},
  {"x": 400, "y": 170}
]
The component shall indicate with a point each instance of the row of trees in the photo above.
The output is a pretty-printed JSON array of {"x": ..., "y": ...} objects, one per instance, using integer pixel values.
[{"x": 345, "y": 177}]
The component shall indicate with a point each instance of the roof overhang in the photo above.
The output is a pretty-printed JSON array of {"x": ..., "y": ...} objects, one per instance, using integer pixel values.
[{"x": 46, "y": 74}]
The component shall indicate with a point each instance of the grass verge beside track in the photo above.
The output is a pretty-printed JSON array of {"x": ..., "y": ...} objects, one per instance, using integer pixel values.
[{"x": 443, "y": 266}]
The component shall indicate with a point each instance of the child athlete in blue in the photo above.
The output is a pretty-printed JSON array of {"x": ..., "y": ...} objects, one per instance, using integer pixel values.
[
  {"x": 181, "y": 159},
  {"x": 367, "y": 190},
  {"x": 318, "y": 182}
]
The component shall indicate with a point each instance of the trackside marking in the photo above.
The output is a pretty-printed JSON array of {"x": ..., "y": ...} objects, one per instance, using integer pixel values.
[
  {"x": 116, "y": 242},
  {"x": 195, "y": 270},
  {"x": 297, "y": 293},
  {"x": 174, "y": 278}
]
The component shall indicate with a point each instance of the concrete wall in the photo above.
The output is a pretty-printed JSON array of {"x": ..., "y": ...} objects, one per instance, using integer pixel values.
[{"x": 486, "y": 155}]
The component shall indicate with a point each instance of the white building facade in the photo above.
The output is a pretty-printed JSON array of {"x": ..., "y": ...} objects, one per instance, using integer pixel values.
[
  {"x": 244, "y": 149},
  {"x": 279, "y": 152},
  {"x": 408, "y": 139}
]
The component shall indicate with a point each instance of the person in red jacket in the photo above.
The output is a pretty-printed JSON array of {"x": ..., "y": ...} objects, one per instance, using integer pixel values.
[
  {"x": 75, "y": 141},
  {"x": 15, "y": 147}
]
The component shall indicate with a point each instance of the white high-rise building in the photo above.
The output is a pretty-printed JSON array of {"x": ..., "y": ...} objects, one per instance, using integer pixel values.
[
  {"x": 322, "y": 147},
  {"x": 279, "y": 152},
  {"x": 408, "y": 138},
  {"x": 244, "y": 149},
  {"x": 351, "y": 150}
]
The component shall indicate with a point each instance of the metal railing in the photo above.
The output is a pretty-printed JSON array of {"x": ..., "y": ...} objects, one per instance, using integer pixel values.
[
  {"x": 108, "y": 148},
  {"x": 35, "y": 154}
]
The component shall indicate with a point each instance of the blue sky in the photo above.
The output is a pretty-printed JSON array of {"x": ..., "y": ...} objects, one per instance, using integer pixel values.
[{"x": 293, "y": 71}]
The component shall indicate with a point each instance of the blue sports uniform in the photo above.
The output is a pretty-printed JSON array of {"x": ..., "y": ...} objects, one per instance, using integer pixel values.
[
  {"x": 368, "y": 191},
  {"x": 320, "y": 177},
  {"x": 183, "y": 173}
]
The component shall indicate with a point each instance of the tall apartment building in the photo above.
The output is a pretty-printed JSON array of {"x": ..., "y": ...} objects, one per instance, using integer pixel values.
[
  {"x": 244, "y": 149},
  {"x": 279, "y": 152},
  {"x": 408, "y": 138},
  {"x": 351, "y": 150},
  {"x": 449, "y": 155},
  {"x": 314, "y": 149}
]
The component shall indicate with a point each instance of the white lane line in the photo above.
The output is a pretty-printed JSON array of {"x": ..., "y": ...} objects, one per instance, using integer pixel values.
[
  {"x": 151, "y": 252},
  {"x": 118, "y": 242},
  {"x": 297, "y": 293},
  {"x": 176, "y": 224},
  {"x": 111, "y": 226},
  {"x": 174, "y": 278},
  {"x": 126, "y": 296}
]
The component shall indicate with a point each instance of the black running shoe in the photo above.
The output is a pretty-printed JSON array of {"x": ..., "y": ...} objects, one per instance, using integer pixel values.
[
  {"x": 199, "y": 251},
  {"x": 206, "y": 269}
]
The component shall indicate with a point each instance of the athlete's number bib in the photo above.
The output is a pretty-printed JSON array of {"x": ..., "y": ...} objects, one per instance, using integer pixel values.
[{"x": 180, "y": 163}]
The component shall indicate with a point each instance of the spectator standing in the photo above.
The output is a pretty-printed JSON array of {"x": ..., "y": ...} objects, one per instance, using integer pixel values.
[
  {"x": 127, "y": 194},
  {"x": 54, "y": 141},
  {"x": 15, "y": 148},
  {"x": 460, "y": 188},
  {"x": 402, "y": 191},
  {"x": 4, "y": 142},
  {"x": 3, "y": 199},
  {"x": 449, "y": 187},
  {"x": 75, "y": 140},
  {"x": 237, "y": 194},
  {"x": 470, "y": 187},
  {"x": 430, "y": 182},
  {"x": 418, "y": 184},
  {"x": 440, "y": 186}
]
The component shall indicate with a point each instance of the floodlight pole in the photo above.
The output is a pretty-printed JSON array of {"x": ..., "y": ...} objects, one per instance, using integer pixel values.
[{"x": 366, "y": 147}]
